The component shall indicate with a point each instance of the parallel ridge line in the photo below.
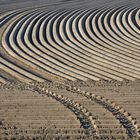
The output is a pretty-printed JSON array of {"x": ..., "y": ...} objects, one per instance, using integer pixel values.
[
  {"x": 18, "y": 72},
  {"x": 79, "y": 44},
  {"x": 2, "y": 79}
]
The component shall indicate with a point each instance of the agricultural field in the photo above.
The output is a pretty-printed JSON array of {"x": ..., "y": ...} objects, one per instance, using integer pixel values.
[{"x": 69, "y": 69}]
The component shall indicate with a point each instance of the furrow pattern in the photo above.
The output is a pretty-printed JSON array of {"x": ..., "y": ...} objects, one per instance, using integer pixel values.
[
  {"x": 41, "y": 122},
  {"x": 77, "y": 44},
  {"x": 125, "y": 118},
  {"x": 48, "y": 51},
  {"x": 2, "y": 80},
  {"x": 87, "y": 121}
]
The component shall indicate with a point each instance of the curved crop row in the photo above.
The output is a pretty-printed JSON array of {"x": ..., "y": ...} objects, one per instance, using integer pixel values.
[
  {"x": 77, "y": 44},
  {"x": 2, "y": 79}
]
